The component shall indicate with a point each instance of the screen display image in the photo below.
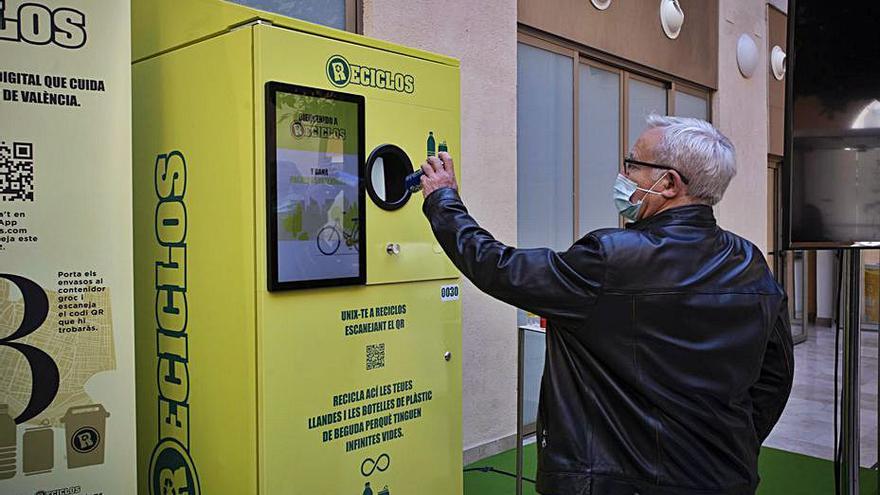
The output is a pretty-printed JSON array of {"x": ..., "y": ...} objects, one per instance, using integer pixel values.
[
  {"x": 833, "y": 130},
  {"x": 315, "y": 157}
]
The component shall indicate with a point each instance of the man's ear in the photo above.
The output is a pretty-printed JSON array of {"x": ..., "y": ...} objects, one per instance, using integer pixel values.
[{"x": 674, "y": 186}]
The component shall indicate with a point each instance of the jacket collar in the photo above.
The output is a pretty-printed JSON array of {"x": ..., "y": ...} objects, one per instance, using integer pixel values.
[{"x": 697, "y": 215}]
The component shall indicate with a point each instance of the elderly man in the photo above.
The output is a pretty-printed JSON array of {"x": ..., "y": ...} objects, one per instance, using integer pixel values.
[{"x": 669, "y": 353}]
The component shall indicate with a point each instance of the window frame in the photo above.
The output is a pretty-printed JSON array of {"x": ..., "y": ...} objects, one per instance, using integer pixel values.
[
  {"x": 670, "y": 99},
  {"x": 582, "y": 55},
  {"x": 774, "y": 201},
  {"x": 683, "y": 87},
  {"x": 354, "y": 16},
  {"x": 621, "y": 130}
]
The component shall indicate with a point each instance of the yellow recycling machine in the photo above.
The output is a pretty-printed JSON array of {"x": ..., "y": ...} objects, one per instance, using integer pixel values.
[{"x": 298, "y": 328}]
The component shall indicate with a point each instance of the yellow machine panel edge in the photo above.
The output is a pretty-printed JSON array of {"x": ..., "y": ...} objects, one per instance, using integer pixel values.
[
  {"x": 162, "y": 25},
  {"x": 194, "y": 269}
]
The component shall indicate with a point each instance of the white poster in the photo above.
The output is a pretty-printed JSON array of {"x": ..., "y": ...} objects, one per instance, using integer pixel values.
[{"x": 66, "y": 331}]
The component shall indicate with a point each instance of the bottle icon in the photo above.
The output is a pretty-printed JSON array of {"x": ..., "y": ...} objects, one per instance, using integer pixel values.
[
  {"x": 367, "y": 489},
  {"x": 432, "y": 150},
  {"x": 443, "y": 148},
  {"x": 8, "y": 443}
]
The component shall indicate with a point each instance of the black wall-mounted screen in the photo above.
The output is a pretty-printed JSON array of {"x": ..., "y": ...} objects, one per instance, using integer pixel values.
[
  {"x": 831, "y": 169},
  {"x": 314, "y": 187}
]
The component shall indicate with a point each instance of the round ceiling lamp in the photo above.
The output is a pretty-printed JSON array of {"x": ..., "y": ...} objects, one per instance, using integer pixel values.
[
  {"x": 777, "y": 62},
  {"x": 671, "y": 18},
  {"x": 601, "y": 4},
  {"x": 746, "y": 55}
]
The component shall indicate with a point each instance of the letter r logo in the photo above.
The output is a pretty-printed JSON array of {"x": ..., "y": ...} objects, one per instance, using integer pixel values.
[
  {"x": 173, "y": 482},
  {"x": 85, "y": 440},
  {"x": 338, "y": 71}
]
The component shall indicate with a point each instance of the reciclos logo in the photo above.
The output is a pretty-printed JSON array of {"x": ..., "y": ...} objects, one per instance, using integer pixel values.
[
  {"x": 37, "y": 24},
  {"x": 341, "y": 73},
  {"x": 172, "y": 470}
]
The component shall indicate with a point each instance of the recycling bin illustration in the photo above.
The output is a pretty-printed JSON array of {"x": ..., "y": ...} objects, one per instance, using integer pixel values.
[
  {"x": 84, "y": 432},
  {"x": 38, "y": 450},
  {"x": 297, "y": 325}
]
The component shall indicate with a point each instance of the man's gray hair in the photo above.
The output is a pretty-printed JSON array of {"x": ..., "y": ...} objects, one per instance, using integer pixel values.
[{"x": 698, "y": 151}]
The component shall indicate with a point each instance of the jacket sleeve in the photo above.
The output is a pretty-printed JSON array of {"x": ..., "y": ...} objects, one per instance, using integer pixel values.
[
  {"x": 559, "y": 286},
  {"x": 770, "y": 393}
]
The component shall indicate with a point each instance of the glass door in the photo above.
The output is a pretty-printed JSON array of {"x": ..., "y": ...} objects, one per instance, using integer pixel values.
[
  {"x": 789, "y": 267},
  {"x": 794, "y": 280}
]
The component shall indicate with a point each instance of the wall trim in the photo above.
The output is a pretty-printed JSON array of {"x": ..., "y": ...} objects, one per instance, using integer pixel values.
[{"x": 489, "y": 449}]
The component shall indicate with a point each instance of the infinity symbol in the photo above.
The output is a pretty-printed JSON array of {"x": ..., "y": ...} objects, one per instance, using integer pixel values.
[{"x": 381, "y": 463}]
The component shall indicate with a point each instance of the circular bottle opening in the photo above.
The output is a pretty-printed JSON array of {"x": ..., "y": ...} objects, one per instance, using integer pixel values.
[{"x": 387, "y": 168}]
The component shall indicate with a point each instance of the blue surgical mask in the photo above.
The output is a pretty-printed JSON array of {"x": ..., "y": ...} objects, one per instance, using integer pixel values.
[{"x": 624, "y": 188}]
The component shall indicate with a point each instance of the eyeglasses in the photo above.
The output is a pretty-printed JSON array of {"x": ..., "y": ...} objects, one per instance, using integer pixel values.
[{"x": 629, "y": 160}]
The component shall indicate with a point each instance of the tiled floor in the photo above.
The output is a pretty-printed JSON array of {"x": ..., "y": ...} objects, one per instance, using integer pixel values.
[{"x": 807, "y": 424}]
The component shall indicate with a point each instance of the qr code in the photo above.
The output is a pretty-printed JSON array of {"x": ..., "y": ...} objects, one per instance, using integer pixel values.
[
  {"x": 375, "y": 356},
  {"x": 16, "y": 171}
]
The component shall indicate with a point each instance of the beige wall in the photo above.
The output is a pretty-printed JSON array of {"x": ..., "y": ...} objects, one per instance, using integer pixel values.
[
  {"x": 482, "y": 34},
  {"x": 740, "y": 112},
  {"x": 631, "y": 30}
]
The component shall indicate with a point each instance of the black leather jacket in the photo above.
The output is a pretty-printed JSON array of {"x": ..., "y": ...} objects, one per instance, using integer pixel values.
[{"x": 669, "y": 352}]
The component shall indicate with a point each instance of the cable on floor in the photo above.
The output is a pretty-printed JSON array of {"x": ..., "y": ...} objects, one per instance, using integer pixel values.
[{"x": 490, "y": 469}]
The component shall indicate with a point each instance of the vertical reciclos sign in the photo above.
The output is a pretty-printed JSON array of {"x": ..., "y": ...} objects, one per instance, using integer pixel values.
[{"x": 66, "y": 330}]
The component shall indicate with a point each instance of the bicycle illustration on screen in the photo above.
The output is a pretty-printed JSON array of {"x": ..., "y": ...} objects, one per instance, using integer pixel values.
[{"x": 331, "y": 236}]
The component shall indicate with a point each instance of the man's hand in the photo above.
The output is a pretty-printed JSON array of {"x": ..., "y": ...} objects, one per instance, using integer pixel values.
[{"x": 439, "y": 173}]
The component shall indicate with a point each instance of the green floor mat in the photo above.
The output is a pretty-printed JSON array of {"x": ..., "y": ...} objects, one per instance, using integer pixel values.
[
  {"x": 789, "y": 473},
  {"x": 782, "y": 473}
]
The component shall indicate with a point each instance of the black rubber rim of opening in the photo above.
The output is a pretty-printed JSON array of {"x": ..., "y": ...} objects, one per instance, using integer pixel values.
[{"x": 387, "y": 151}]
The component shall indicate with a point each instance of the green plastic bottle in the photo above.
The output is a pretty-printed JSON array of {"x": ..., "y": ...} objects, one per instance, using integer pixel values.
[
  {"x": 431, "y": 145},
  {"x": 8, "y": 443}
]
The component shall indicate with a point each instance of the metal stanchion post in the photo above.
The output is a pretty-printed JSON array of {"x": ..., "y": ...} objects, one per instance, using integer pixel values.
[
  {"x": 851, "y": 328},
  {"x": 520, "y": 370}
]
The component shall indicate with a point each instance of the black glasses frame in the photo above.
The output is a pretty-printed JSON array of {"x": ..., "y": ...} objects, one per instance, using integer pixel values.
[{"x": 633, "y": 161}]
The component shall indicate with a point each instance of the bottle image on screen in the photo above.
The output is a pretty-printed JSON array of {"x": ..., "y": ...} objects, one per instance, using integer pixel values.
[
  {"x": 8, "y": 443},
  {"x": 443, "y": 147},
  {"x": 432, "y": 150}
]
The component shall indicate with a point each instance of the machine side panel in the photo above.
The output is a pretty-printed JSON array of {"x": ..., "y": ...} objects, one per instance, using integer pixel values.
[{"x": 193, "y": 182}]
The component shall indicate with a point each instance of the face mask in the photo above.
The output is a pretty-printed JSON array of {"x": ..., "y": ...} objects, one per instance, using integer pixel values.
[{"x": 624, "y": 188}]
